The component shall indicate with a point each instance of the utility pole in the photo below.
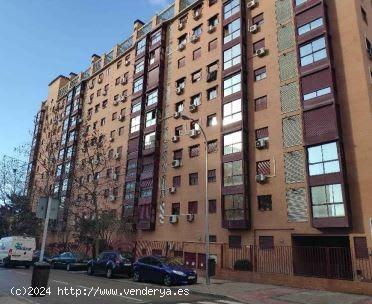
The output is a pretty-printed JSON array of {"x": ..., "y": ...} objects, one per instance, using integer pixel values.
[{"x": 45, "y": 232}]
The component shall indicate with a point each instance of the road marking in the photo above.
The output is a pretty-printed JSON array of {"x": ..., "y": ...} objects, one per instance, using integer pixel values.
[
  {"x": 22, "y": 273},
  {"x": 204, "y": 302},
  {"x": 61, "y": 282},
  {"x": 228, "y": 302}
]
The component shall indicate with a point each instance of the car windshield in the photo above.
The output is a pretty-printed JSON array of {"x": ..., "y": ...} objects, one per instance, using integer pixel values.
[
  {"x": 174, "y": 261},
  {"x": 126, "y": 255}
]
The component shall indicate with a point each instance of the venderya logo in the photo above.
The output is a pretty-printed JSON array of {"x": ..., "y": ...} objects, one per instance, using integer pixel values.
[{"x": 19, "y": 246}]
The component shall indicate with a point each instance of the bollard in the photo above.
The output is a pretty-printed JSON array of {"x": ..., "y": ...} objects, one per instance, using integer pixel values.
[{"x": 40, "y": 277}]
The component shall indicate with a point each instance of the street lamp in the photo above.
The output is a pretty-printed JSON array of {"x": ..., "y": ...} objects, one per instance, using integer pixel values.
[{"x": 207, "y": 250}]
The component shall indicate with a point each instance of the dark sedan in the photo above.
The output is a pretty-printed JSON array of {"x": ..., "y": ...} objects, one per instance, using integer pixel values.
[
  {"x": 69, "y": 261},
  {"x": 167, "y": 271},
  {"x": 111, "y": 263}
]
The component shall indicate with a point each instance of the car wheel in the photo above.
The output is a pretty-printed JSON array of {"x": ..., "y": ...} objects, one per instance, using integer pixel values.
[
  {"x": 90, "y": 270},
  {"x": 136, "y": 277},
  {"x": 167, "y": 280},
  {"x": 68, "y": 267},
  {"x": 109, "y": 273}
]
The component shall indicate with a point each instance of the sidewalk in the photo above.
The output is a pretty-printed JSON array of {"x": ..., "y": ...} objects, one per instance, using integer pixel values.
[{"x": 271, "y": 294}]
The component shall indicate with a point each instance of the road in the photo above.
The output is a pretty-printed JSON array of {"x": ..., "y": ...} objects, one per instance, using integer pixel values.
[{"x": 63, "y": 283}]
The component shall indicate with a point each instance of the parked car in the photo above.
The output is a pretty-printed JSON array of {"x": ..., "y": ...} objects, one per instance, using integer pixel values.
[
  {"x": 69, "y": 261},
  {"x": 17, "y": 251},
  {"x": 111, "y": 263},
  {"x": 36, "y": 256},
  {"x": 168, "y": 271}
]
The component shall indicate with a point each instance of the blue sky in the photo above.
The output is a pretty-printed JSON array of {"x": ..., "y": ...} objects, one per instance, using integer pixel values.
[{"x": 40, "y": 39}]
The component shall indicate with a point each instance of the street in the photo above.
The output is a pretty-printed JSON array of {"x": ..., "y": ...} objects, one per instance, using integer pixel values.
[{"x": 63, "y": 283}]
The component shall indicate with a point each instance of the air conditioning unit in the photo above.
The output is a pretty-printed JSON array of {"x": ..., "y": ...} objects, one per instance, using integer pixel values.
[
  {"x": 99, "y": 80},
  {"x": 176, "y": 163},
  {"x": 261, "y": 178},
  {"x": 177, "y": 115},
  {"x": 261, "y": 52},
  {"x": 111, "y": 139},
  {"x": 261, "y": 143},
  {"x": 175, "y": 139},
  {"x": 252, "y": 4},
  {"x": 179, "y": 90},
  {"x": 193, "y": 108},
  {"x": 124, "y": 80},
  {"x": 117, "y": 156},
  {"x": 172, "y": 190},
  {"x": 194, "y": 38},
  {"x": 121, "y": 117},
  {"x": 181, "y": 26},
  {"x": 254, "y": 28},
  {"x": 112, "y": 198},
  {"x": 127, "y": 62},
  {"x": 190, "y": 217},
  {"x": 211, "y": 29},
  {"x": 181, "y": 46},
  {"x": 116, "y": 102},
  {"x": 194, "y": 133},
  {"x": 104, "y": 93},
  {"x": 114, "y": 176},
  {"x": 173, "y": 219}
]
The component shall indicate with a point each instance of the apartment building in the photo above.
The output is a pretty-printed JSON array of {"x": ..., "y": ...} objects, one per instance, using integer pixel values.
[{"x": 278, "y": 95}]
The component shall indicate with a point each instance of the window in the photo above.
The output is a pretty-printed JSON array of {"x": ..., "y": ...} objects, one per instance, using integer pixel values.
[
  {"x": 135, "y": 124},
  {"x": 103, "y": 121},
  {"x": 177, "y": 181},
  {"x": 232, "y": 85},
  {"x": 263, "y": 167},
  {"x": 212, "y": 93},
  {"x": 235, "y": 241},
  {"x": 178, "y": 131},
  {"x": 258, "y": 20},
  {"x": 104, "y": 104},
  {"x": 179, "y": 107},
  {"x": 212, "y": 120},
  {"x": 112, "y": 134},
  {"x": 182, "y": 40},
  {"x": 196, "y": 76},
  {"x": 232, "y": 143},
  {"x": 96, "y": 108},
  {"x": 233, "y": 173},
  {"x": 258, "y": 45},
  {"x": 193, "y": 207},
  {"x": 317, "y": 93},
  {"x": 230, "y": 8},
  {"x": 233, "y": 207},
  {"x": 121, "y": 131},
  {"x": 177, "y": 155},
  {"x": 176, "y": 209},
  {"x": 212, "y": 176},
  {"x": 361, "y": 247},
  {"x": 299, "y": 2},
  {"x": 212, "y": 206},
  {"x": 212, "y": 146},
  {"x": 152, "y": 98},
  {"x": 137, "y": 87},
  {"x": 130, "y": 189},
  {"x": 313, "y": 51},
  {"x": 196, "y": 54},
  {"x": 136, "y": 107},
  {"x": 155, "y": 38},
  {"x": 327, "y": 201},
  {"x": 260, "y": 103},
  {"x": 260, "y": 74},
  {"x": 118, "y": 64},
  {"x": 265, "y": 203},
  {"x": 310, "y": 26},
  {"x": 231, "y": 57},
  {"x": 193, "y": 179},
  {"x": 181, "y": 83},
  {"x": 139, "y": 67},
  {"x": 232, "y": 112},
  {"x": 181, "y": 62},
  {"x": 231, "y": 31},
  {"x": 262, "y": 133},
  {"x": 213, "y": 21},
  {"x": 369, "y": 47},
  {"x": 323, "y": 159},
  {"x": 212, "y": 45},
  {"x": 266, "y": 242},
  {"x": 150, "y": 118},
  {"x": 196, "y": 100},
  {"x": 364, "y": 15},
  {"x": 141, "y": 45},
  {"x": 194, "y": 151},
  {"x": 150, "y": 140},
  {"x": 197, "y": 31}
]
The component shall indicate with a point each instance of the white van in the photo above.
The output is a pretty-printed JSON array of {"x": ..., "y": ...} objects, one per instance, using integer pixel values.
[{"x": 17, "y": 251}]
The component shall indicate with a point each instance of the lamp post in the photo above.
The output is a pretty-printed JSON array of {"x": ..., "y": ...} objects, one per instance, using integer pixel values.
[{"x": 206, "y": 228}]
